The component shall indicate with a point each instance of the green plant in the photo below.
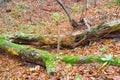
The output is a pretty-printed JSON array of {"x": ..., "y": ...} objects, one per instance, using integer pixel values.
[
  {"x": 4, "y": 30},
  {"x": 103, "y": 49},
  {"x": 63, "y": 73},
  {"x": 9, "y": 23},
  {"x": 69, "y": 66},
  {"x": 56, "y": 18},
  {"x": 117, "y": 1},
  {"x": 107, "y": 59},
  {"x": 112, "y": 2},
  {"x": 24, "y": 28},
  {"x": 43, "y": 23},
  {"x": 108, "y": 3},
  {"x": 22, "y": 5},
  {"x": 63, "y": 16},
  {"x": 10, "y": 20},
  {"x": 77, "y": 8},
  {"x": 19, "y": 6},
  {"x": 34, "y": 29},
  {"x": 29, "y": 28},
  {"x": 78, "y": 77}
]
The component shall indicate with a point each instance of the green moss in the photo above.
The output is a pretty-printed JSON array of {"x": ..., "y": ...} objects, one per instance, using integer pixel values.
[
  {"x": 50, "y": 66},
  {"x": 70, "y": 59},
  {"x": 87, "y": 59},
  {"x": 113, "y": 61},
  {"x": 50, "y": 59},
  {"x": 93, "y": 30}
]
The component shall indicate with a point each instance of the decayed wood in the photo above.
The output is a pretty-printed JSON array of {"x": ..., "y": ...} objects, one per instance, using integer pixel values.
[
  {"x": 71, "y": 40},
  {"x": 49, "y": 60}
]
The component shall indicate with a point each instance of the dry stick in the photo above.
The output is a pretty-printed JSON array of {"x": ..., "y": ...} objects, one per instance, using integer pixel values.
[
  {"x": 86, "y": 6},
  {"x": 81, "y": 16},
  {"x": 95, "y": 3},
  {"x": 86, "y": 23},
  {"x": 66, "y": 10},
  {"x": 84, "y": 11},
  {"x": 72, "y": 21},
  {"x": 84, "y": 19},
  {"x": 58, "y": 45}
]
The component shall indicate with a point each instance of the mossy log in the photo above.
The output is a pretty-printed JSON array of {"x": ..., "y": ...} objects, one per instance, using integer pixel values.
[
  {"x": 71, "y": 40},
  {"x": 49, "y": 60}
]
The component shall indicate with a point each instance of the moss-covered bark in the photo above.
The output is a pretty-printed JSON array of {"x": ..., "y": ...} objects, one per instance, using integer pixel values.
[
  {"x": 37, "y": 56},
  {"x": 49, "y": 60},
  {"x": 71, "y": 40}
]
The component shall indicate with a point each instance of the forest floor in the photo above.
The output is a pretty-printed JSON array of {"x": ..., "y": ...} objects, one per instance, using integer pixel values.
[{"x": 34, "y": 16}]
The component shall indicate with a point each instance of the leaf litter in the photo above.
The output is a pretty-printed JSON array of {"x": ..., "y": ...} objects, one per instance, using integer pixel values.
[{"x": 36, "y": 13}]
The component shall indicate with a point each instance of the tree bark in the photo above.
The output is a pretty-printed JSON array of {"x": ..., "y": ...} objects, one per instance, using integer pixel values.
[
  {"x": 49, "y": 60},
  {"x": 71, "y": 40}
]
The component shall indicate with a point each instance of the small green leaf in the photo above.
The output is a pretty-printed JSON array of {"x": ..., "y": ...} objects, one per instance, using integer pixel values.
[
  {"x": 78, "y": 77},
  {"x": 63, "y": 16},
  {"x": 56, "y": 16},
  {"x": 108, "y": 57},
  {"x": 22, "y": 5},
  {"x": 68, "y": 66},
  {"x": 104, "y": 48},
  {"x": 63, "y": 73},
  {"x": 77, "y": 8},
  {"x": 43, "y": 23},
  {"x": 104, "y": 64},
  {"x": 119, "y": 61}
]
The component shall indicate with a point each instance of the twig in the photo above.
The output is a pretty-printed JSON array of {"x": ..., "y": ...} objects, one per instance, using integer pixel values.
[{"x": 86, "y": 23}]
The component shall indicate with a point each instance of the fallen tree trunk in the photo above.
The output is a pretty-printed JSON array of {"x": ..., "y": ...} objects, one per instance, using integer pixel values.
[
  {"x": 71, "y": 40},
  {"x": 49, "y": 60}
]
